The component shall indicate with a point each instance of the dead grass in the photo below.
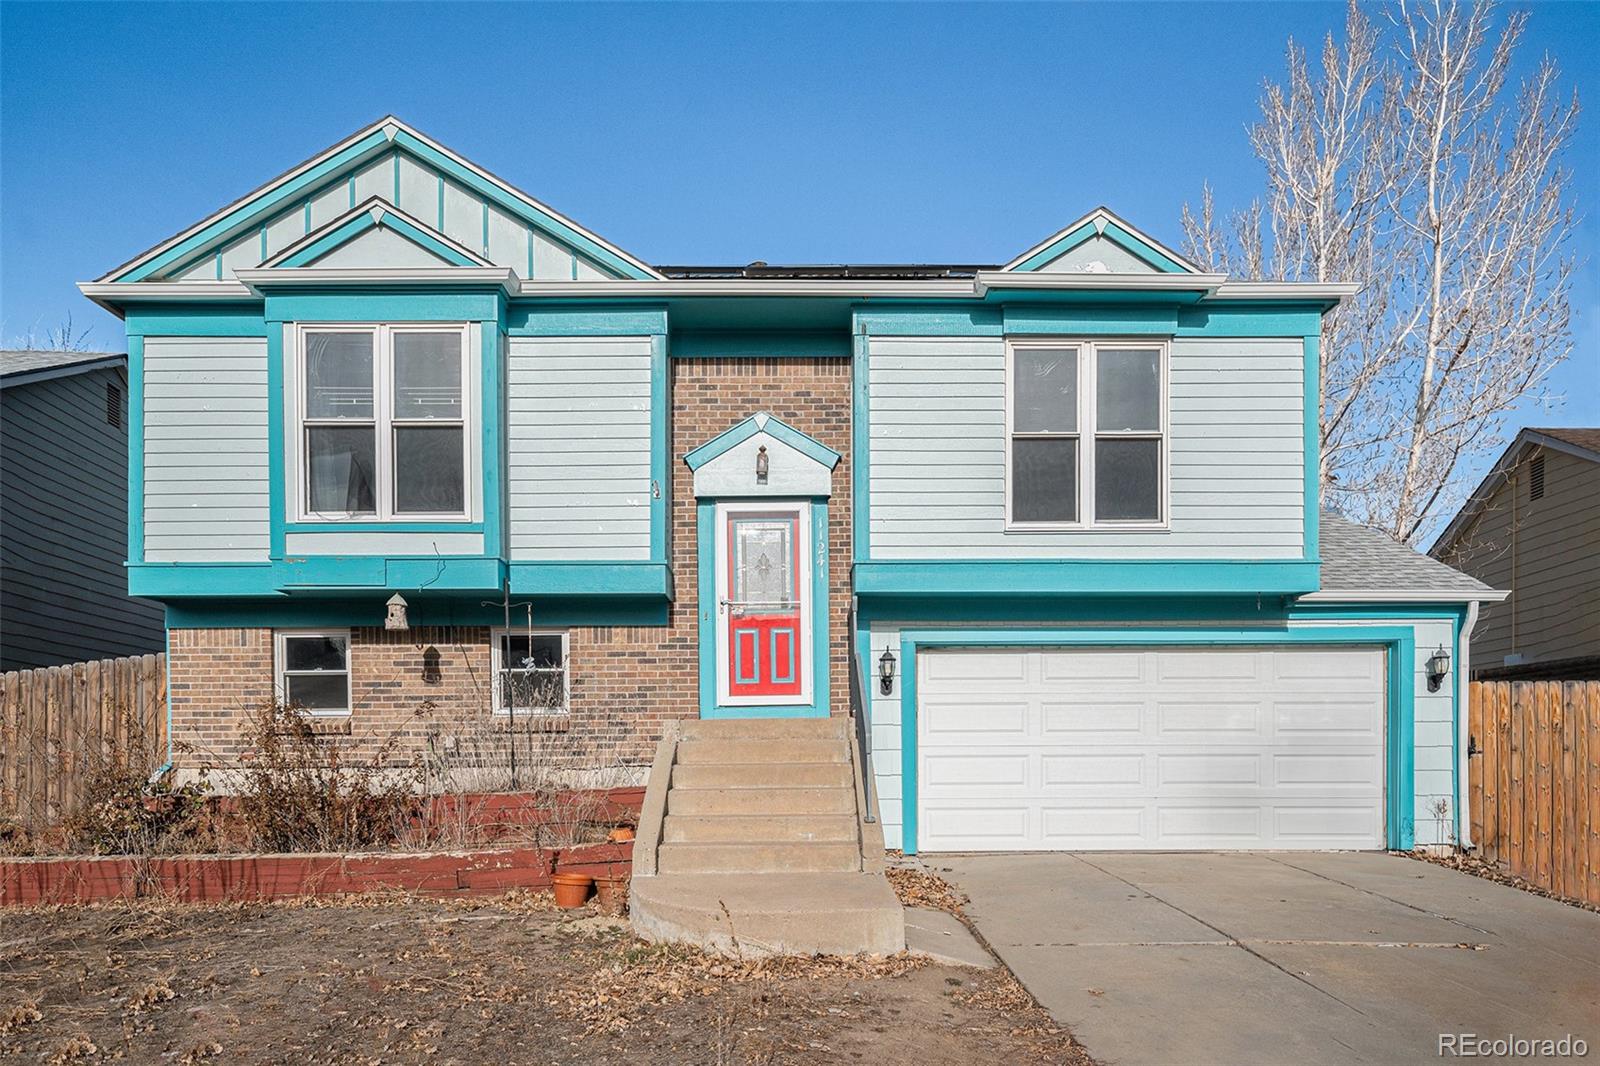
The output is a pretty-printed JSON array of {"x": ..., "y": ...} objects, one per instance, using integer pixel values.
[{"x": 510, "y": 980}]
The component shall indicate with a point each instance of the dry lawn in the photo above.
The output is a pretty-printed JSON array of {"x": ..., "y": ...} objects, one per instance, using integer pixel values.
[{"x": 504, "y": 982}]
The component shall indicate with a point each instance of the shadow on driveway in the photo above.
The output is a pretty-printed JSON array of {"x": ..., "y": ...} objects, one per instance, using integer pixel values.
[{"x": 1303, "y": 958}]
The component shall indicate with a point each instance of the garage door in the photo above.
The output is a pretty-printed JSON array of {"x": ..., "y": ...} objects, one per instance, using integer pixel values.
[{"x": 1150, "y": 748}]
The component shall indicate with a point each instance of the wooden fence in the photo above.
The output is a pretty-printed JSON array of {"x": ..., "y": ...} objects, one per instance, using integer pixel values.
[
  {"x": 57, "y": 722},
  {"x": 1534, "y": 781}
]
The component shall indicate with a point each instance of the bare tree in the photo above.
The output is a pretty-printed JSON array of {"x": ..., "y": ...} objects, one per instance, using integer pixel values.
[
  {"x": 62, "y": 338},
  {"x": 1405, "y": 164}
]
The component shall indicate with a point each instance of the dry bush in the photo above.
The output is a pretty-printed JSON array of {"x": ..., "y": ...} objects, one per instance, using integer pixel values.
[
  {"x": 123, "y": 809},
  {"x": 301, "y": 790}
]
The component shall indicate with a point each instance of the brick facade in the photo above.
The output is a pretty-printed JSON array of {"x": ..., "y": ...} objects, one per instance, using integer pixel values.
[{"x": 425, "y": 686}]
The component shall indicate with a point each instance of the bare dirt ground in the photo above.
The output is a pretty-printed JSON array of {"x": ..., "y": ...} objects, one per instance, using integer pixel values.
[{"x": 505, "y": 982}]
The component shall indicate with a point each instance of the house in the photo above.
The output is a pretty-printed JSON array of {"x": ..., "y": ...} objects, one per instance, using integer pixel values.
[
  {"x": 1533, "y": 527},
  {"x": 64, "y": 512},
  {"x": 1061, "y": 511}
]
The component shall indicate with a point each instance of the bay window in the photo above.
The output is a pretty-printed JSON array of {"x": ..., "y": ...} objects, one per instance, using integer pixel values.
[
  {"x": 1086, "y": 434},
  {"x": 383, "y": 422}
]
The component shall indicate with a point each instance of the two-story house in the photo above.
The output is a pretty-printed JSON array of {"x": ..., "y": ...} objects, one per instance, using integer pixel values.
[{"x": 1063, "y": 511}]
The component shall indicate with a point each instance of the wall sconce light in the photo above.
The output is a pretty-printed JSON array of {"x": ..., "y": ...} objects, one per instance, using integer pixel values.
[
  {"x": 761, "y": 465},
  {"x": 395, "y": 618},
  {"x": 1438, "y": 667},
  {"x": 886, "y": 673}
]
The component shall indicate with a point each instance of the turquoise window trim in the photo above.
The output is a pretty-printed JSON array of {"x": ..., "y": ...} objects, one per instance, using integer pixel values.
[
  {"x": 195, "y": 320},
  {"x": 980, "y": 578},
  {"x": 422, "y": 610},
  {"x": 861, "y": 451},
  {"x": 706, "y": 583},
  {"x": 277, "y": 474},
  {"x": 493, "y": 408},
  {"x": 270, "y": 199},
  {"x": 1153, "y": 320},
  {"x": 611, "y": 578},
  {"x": 660, "y": 451},
  {"x": 520, "y": 208},
  {"x": 773, "y": 427},
  {"x": 136, "y": 449},
  {"x": 1399, "y": 641},
  {"x": 760, "y": 344},
  {"x": 1311, "y": 387},
  {"x": 383, "y": 527},
  {"x": 524, "y": 319}
]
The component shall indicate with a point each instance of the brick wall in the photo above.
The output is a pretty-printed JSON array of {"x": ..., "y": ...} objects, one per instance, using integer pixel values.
[{"x": 425, "y": 686}]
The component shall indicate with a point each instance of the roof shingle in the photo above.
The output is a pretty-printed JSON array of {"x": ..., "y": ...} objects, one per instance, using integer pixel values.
[{"x": 1357, "y": 558}]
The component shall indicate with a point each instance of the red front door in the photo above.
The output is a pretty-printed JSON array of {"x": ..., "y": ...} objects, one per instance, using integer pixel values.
[{"x": 763, "y": 617}]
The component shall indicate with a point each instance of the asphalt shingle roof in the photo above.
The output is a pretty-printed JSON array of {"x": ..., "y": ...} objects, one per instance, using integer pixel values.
[
  {"x": 1577, "y": 436},
  {"x": 1360, "y": 558},
  {"x": 14, "y": 362}
]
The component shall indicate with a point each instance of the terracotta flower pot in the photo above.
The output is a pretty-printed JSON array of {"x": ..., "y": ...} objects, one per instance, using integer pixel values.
[
  {"x": 621, "y": 834},
  {"x": 571, "y": 889},
  {"x": 612, "y": 894}
]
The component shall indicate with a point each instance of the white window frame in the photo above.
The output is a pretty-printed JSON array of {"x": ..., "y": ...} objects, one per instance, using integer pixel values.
[
  {"x": 1088, "y": 433},
  {"x": 384, "y": 423},
  {"x": 279, "y": 669},
  {"x": 496, "y": 666}
]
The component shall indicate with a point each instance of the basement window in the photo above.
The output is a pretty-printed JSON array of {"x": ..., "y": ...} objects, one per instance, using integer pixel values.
[
  {"x": 530, "y": 672},
  {"x": 313, "y": 671},
  {"x": 1536, "y": 478}
]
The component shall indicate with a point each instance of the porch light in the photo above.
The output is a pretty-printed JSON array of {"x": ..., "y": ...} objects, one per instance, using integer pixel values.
[
  {"x": 1438, "y": 667},
  {"x": 886, "y": 672},
  {"x": 395, "y": 618},
  {"x": 761, "y": 465}
]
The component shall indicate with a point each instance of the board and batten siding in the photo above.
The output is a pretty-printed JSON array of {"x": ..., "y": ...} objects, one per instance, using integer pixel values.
[
  {"x": 938, "y": 454},
  {"x": 64, "y": 525},
  {"x": 206, "y": 482},
  {"x": 578, "y": 438}
]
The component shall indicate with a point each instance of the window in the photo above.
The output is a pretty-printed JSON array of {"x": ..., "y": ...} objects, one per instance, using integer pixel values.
[
  {"x": 1086, "y": 424},
  {"x": 530, "y": 672},
  {"x": 383, "y": 422},
  {"x": 113, "y": 406},
  {"x": 313, "y": 671}
]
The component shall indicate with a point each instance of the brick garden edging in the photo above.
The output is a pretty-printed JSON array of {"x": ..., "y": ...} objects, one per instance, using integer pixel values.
[{"x": 234, "y": 878}]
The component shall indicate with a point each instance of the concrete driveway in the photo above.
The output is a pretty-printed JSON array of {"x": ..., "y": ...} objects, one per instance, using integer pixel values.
[{"x": 1303, "y": 958}]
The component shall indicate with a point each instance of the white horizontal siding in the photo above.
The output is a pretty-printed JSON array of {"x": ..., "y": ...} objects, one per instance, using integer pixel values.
[
  {"x": 938, "y": 448},
  {"x": 578, "y": 439},
  {"x": 206, "y": 492}
]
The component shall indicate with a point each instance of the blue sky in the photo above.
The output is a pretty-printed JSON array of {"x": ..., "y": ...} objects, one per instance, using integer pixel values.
[{"x": 683, "y": 132}]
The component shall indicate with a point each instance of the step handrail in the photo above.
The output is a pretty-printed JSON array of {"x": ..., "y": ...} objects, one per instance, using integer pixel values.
[{"x": 858, "y": 712}]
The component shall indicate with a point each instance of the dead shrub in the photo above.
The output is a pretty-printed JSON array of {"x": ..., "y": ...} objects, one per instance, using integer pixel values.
[
  {"x": 124, "y": 809},
  {"x": 301, "y": 790}
]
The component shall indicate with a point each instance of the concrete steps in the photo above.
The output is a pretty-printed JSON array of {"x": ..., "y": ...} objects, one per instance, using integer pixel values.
[{"x": 758, "y": 822}]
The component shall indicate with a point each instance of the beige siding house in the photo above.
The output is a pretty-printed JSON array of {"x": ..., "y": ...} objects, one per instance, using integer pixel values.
[{"x": 1533, "y": 527}]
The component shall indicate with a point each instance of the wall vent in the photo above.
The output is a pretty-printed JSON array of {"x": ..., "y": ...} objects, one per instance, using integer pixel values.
[
  {"x": 113, "y": 405},
  {"x": 1536, "y": 478}
]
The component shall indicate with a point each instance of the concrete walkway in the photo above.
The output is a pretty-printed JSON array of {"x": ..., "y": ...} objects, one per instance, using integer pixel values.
[{"x": 1300, "y": 958}]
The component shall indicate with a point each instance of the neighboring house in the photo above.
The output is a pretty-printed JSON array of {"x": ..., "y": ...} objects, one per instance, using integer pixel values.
[
  {"x": 1067, "y": 504},
  {"x": 1533, "y": 527},
  {"x": 64, "y": 513}
]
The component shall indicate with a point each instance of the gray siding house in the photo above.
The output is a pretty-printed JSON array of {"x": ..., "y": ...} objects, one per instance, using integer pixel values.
[{"x": 64, "y": 513}]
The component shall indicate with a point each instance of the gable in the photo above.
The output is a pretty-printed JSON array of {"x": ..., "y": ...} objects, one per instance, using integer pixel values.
[
  {"x": 796, "y": 464},
  {"x": 394, "y": 164},
  {"x": 1100, "y": 243}
]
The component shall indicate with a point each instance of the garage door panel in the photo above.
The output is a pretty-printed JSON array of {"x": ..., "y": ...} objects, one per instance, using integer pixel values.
[
  {"x": 1112, "y": 665},
  {"x": 1209, "y": 717},
  {"x": 990, "y": 720},
  {"x": 970, "y": 771},
  {"x": 1071, "y": 771},
  {"x": 1064, "y": 719},
  {"x": 1152, "y": 748},
  {"x": 984, "y": 668}
]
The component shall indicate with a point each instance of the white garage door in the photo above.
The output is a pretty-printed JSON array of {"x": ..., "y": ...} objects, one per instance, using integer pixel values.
[{"x": 1154, "y": 748}]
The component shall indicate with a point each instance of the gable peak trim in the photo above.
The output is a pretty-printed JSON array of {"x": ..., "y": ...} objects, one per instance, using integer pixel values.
[
  {"x": 762, "y": 422},
  {"x": 1102, "y": 222}
]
